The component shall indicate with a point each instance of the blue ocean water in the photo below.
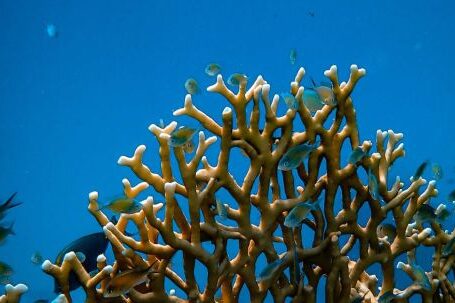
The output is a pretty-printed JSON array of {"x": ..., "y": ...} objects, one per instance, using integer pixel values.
[{"x": 73, "y": 103}]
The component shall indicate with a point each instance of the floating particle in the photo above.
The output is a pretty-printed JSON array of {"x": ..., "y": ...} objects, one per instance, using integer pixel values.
[
  {"x": 212, "y": 69},
  {"x": 51, "y": 30},
  {"x": 191, "y": 86},
  {"x": 37, "y": 258},
  {"x": 293, "y": 55}
]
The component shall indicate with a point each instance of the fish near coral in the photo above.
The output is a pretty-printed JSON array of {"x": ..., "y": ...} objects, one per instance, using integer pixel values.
[
  {"x": 212, "y": 69},
  {"x": 325, "y": 93},
  {"x": 123, "y": 205},
  {"x": 237, "y": 79},
  {"x": 427, "y": 214},
  {"x": 293, "y": 56},
  {"x": 373, "y": 186},
  {"x": 5, "y": 232},
  {"x": 91, "y": 246},
  {"x": 299, "y": 213},
  {"x": 221, "y": 209},
  {"x": 125, "y": 281},
  {"x": 295, "y": 155},
  {"x": 191, "y": 86},
  {"x": 387, "y": 297},
  {"x": 387, "y": 230},
  {"x": 8, "y": 204},
  {"x": 420, "y": 276},
  {"x": 357, "y": 155},
  {"x": 449, "y": 248},
  {"x": 312, "y": 100},
  {"x": 189, "y": 146},
  {"x": 420, "y": 170},
  {"x": 268, "y": 271},
  {"x": 290, "y": 101},
  {"x": 181, "y": 136}
]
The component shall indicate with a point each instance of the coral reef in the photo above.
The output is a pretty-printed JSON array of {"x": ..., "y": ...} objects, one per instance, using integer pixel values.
[{"x": 342, "y": 251}]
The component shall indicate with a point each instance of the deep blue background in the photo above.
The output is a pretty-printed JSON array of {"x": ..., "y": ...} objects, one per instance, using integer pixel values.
[{"x": 71, "y": 105}]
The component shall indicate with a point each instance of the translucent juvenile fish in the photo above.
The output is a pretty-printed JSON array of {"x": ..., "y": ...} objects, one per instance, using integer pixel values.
[
  {"x": 268, "y": 271},
  {"x": 325, "y": 92},
  {"x": 237, "y": 79},
  {"x": 182, "y": 135},
  {"x": 51, "y": 30},
  {"x": 299, "y": 213},
  {"x": 294, "y": 156},
  {"x": 312, "y": 100},
  {"x": 293, "y": 56},
  {"x": 387, "y": 297},
  {"x": 449, "y": 248},
  {"x": 123, "y": 205},
  {"x": 125, "y": 281},
  {"x": 290, "y": 101},
  {"x": 221, "y": 209},
  {"x": 5, "y": 232},
  {"x": 420, "y": 276},
  {"x": 91, "y": 246},
  {"x": 373, "y": 186},
  {"x": 161, "y": 124},
  {"x": 191, "y": 86},
  {"x": 212, "y": 69},
  {"x": 189, "y": 146},
  {"x": 356, "y": 155},
  {"x": 437, "y": 171},
  {"x": 420, "y": 170},
  {"x": 37, "y": 258},
  {"x": 8, "y": 204},
  {"x": 387, "y": 230}
]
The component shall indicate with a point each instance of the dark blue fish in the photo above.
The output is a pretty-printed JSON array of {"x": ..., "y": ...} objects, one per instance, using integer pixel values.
[
  {"x": 420, "y": 170},
  {"x": 427, "y": 214},
  {"x": 91, "y": 246},
  {"x": 268, "y": 271},
  {"x": 8, "y": 204}
]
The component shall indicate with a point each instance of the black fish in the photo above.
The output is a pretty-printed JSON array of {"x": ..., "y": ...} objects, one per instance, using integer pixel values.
[
  {"x": 7, "y": 205},
  {"x": 91, "y": 246},
  {"x": 420, "y": 170}
]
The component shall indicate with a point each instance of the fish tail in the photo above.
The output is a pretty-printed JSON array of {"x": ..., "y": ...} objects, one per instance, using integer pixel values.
[{"x": 7, "y": 205}]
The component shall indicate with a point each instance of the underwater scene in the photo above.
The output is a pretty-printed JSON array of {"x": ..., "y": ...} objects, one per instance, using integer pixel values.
[{"x": 231, "y": 151}]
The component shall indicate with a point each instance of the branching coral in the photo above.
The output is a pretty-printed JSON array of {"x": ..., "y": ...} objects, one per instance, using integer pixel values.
[{"x": 342, "y": 265}]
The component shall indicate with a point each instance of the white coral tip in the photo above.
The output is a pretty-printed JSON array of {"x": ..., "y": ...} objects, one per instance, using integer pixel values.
[
  {"x": 172, "y": 292},
  {"x": 101, "y": 258},
  {"x": 108, "y": 269},
  {"x": 265, "y": 89},
  {"x": 149, "y": 200},
  {"x": 108, "y": 226},
  {"x": 153, "y": 128},
  {"x": 170, "y": 187},
  {"x": 46, "y": 265},
  {"x": 426, "y": 231},
  {"x": 60, "y": 299},
  {"x": 400, "y": 265},
  {"x": 227, "y": 110},
  {"x": 165, "y": 136},
  {"x": 93, "y": 196},
  {"x": 126, "y": 182},
  {"x": 19, "y": 288},
  {"x": 432, "y": 183},
  {"x": 354, "y": 68},
  {"x": 69, "y": 256},
  {"x": 362, "y": 71}
]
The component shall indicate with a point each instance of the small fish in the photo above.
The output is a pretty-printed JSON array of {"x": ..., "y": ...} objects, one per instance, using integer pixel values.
[
  {"x": 161, "y": 124},
  {"x": 312, "y": 100},
  {"x": 37, "y": 258},
  {"x": 123, "y": 205},
  {"x": 51, "y": 30},
  {"x": 268, "y": 271},
  {"x": 221, "y": 209},
  {"x": 451, "y": 196},
  {"x": 293, "y": 56},
  {"x": 325, "y": 92},
  {"x": 5, "y": 269},
  {"x": 449, "y": 248},
  {"x": 420, "y": 170},
  {"x": 357, "y": 155},
  {"x": 125, "y": 281},
  {"x": 387, "y": 230},
  {"x": 387, "y": 297},
  {"x": 8, "y": 204},
  {"x": 290, "y": 101},
  {"x": 295, "y": 155},
  {"x": 91, "y": 246},
  {"x": 191, "y": 86},
  {"x": 5, "y": 279},
  {"x": 212, "y": 69},
  {"x": 237, "y": 79},
  {"x": 181, "y": 136},
  {"x": 427, "y": 214},
  {"x": 189, "y": 146},
  {"x": 420, "y": 276},
  {"x": 300, "y": 212},
  {"x": 5, "y": 231},
  {"x": 311, "y": 13},
  {"x": 437, "y": 171},
  {"x": 373, "y": 186}
]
